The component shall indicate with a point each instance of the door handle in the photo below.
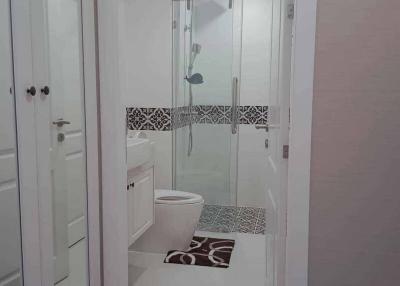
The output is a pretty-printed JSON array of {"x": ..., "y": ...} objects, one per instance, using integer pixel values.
[
  {"x": 31, "y": 91},
  {"x": 45, "y": 90},
  {"x": 235, "y": 92},
  {"x": 61, "y": 122},
  {"x": 60, "y": 137},
  {"x": 266, "y": 126}
]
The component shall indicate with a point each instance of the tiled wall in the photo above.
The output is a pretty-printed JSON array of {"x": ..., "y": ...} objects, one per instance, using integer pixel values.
[
  {"x": 148, "y": 85},
  {"x": 166, "y": 119},
  {"x": 355, "y": 197},
  {"x": 146, "y": 74}
]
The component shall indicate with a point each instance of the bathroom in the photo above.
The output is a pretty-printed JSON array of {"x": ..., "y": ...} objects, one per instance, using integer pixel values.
[
  {"x": 218, "y": 63},
  {"x": 201, "y": 142},
  {"x": 194, "y": 84},
  {"x": 203, "y": 104}
]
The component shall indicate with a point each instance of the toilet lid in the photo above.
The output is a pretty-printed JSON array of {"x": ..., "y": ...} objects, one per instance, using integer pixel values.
[{"x": 170, "y": 197}]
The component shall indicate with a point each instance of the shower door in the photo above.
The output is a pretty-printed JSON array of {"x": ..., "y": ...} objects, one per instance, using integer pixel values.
[{"x": 206, "y": 52}]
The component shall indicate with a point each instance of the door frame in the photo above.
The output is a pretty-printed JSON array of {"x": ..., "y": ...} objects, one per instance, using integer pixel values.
[
  {"x": 113, "y": 159},
  {"x": 114, "y": 229},
  {"x": 93, "y": 140},
  {"x": 302, "y": 83}
]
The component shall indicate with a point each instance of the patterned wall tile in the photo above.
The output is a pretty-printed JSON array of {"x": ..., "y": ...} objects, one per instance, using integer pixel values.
[
  {"x": 159, "y": 119},
  {"x": 149, "y": 118},
  {"x": 180, "y": 117},
  {"x": 217, "y": 114},
  {"x": 253, "y": 114},
  {"x": 136, "y": 118},
  {"x": 166, "y": 119},
  {"x": 211, "y": 114}
]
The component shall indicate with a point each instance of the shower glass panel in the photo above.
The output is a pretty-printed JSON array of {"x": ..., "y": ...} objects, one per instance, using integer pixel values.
[
  {"x": 205, "y": 62},
  {"x": 10, "y": 240}
]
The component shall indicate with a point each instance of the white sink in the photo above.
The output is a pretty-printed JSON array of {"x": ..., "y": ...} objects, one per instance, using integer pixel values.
[{"x": 139, "y": 151}]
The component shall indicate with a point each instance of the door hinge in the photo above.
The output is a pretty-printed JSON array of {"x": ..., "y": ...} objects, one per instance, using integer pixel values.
[
  {"x": 290, "y": 11},
  {"x": 285, "y": 152}
]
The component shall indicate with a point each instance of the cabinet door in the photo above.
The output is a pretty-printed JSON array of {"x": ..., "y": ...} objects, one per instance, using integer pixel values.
[{"x": 141, "y": 205}]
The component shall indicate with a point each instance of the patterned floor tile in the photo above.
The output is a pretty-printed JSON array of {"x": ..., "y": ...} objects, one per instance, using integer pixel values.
[{"x": 232, "y": 219}]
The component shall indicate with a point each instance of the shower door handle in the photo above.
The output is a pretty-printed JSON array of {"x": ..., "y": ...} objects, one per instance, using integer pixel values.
[
  {"x": 61, "y": 122},
  {"x": 266, "y": 127},
  {"x": 235, "y": 92}
]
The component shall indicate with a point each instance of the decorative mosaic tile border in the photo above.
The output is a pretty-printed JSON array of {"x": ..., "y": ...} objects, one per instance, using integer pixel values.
[
  {"x": 180, "y": 117},
  {"x": 219, "y": 114},
  {"x": 149, "y": 119},
  {"x": 166, "y": 119},
  {"x": 233, "y": 219}
]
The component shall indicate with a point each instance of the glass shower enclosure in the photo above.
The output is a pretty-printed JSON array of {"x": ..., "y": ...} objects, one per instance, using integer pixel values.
[{"x": 206, "y": 77}]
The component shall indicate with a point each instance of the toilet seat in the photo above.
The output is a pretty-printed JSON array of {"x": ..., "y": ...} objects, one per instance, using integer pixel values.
[{"x": 170, "y": 197}]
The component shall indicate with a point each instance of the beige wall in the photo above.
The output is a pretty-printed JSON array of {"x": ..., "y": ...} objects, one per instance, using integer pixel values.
[{"x": 355, "y": 172}]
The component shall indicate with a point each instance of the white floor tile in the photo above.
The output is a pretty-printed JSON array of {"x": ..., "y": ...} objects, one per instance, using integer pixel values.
[{"x": 247, "y": 266}]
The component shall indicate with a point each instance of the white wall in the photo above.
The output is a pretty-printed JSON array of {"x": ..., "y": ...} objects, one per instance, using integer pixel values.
[
  {"x": 146, "y": 70},
  {"x": 255, "y": 83},
  {"x": 256, "y": 52},
  {"x": 213, "y": 30},
  {"x": 354, "y": 197},
  {"x": 206, "y": 171},
  {"x": 147, "y": 53}
]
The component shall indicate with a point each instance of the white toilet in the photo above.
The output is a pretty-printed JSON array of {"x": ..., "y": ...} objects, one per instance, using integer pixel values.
[{"x": 177, "y": 215}]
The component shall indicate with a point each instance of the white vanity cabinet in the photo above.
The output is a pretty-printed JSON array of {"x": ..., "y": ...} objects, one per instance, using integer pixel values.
[{"x": 140, "y": 203}]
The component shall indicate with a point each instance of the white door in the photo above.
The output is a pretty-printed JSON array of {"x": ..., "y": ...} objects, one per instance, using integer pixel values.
[
  {"x": 278, "y": 140},
  {"x": 62, "y": 71},
  {"x": 68, "y": 176},
  {"x": 47, "y": 48}
]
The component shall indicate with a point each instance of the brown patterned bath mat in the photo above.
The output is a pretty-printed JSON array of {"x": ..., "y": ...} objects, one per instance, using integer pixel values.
[{"x": 204, "y": 251}]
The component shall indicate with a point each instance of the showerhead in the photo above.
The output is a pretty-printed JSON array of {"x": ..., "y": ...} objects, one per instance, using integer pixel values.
[
  {"x": 196, "y": 48},
  {"x": 195, "y": 79}
]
